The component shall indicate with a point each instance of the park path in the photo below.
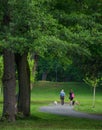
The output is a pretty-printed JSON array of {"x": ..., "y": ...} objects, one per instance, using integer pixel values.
[{"x": 68, "y": 110}]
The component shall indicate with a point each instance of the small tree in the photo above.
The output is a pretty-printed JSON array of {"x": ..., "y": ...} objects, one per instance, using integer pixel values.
[{"x": 92, "y": 81}]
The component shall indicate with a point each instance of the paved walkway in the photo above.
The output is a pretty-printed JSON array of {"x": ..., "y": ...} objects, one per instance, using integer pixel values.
[{"x": 68, "y": 110}]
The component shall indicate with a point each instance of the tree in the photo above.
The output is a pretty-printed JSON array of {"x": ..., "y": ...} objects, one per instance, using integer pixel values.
[
  {"x": 92, "y": 81},
  {"x": 22, "y": 22},
  {"x": 9, "y": 86},
  {"x": 24, "y": 84},
  {"x": 9, "y": 81},
  {"x": 84, "y": 29}
]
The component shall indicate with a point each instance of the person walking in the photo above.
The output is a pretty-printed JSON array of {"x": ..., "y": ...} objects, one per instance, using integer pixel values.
[
  {"x": 62, "y": 96},
  {"x": 71, "y": 96}
]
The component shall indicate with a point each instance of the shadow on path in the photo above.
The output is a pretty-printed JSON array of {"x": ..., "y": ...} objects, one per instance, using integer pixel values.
[{"x": 68, "y": 110}]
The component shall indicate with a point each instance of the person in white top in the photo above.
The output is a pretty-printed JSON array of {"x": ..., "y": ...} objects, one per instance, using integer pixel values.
[{"x": 62, "y": 96}]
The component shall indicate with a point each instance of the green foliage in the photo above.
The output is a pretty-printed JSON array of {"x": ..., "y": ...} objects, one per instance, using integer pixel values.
[
  {"x": 58, "y": 69},
  {"x": 68, "y": 30},
  {"x": 31, "y": 65},
  {"x": 92, "y": 81},
  {"x": 80, "y": 31},
  {"x": 28, "y": 21}
]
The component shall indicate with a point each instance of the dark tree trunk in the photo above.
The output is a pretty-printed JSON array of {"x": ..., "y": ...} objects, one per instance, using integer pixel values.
[
  {"x": 9, "y": 86},
  {"x": 24, "y": 84},
  {"x": 44, "y": 75}
]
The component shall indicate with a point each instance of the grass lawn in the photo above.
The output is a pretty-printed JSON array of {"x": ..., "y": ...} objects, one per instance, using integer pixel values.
[{"x": 45, "y": 93}]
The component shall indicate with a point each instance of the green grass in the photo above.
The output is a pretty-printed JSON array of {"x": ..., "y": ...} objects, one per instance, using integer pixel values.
[
  {"x": 49, "y": 92},
  {"x": 45, "y": 93}
]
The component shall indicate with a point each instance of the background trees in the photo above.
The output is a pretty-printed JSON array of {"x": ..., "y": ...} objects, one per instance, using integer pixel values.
[{"x": 79, "y": 26}]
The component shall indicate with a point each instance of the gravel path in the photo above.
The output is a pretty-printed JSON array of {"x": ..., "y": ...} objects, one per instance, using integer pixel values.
[{"x": 68, "y": 110}]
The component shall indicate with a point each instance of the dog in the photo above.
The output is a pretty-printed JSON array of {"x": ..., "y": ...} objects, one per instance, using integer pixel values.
[{"x": 55, "y": 102}]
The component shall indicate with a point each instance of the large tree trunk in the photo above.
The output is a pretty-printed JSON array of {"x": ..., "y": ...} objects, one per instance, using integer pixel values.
[
  {"x": 24, "y": 84},
  {"x": 9, "y": 86}
]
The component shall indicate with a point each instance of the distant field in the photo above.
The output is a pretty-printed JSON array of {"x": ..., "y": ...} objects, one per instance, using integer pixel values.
[
  {"x": 49, "y": 92},
  {"x": 46, "y": 92}
]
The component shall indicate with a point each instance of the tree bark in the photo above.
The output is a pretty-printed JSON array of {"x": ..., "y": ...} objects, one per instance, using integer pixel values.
[
  {"x": 44, "y": 75},
  {"x": 24, "y": 84},
  {"x": 9, "y": 86},
  {"x": 94, "y": 91}
]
